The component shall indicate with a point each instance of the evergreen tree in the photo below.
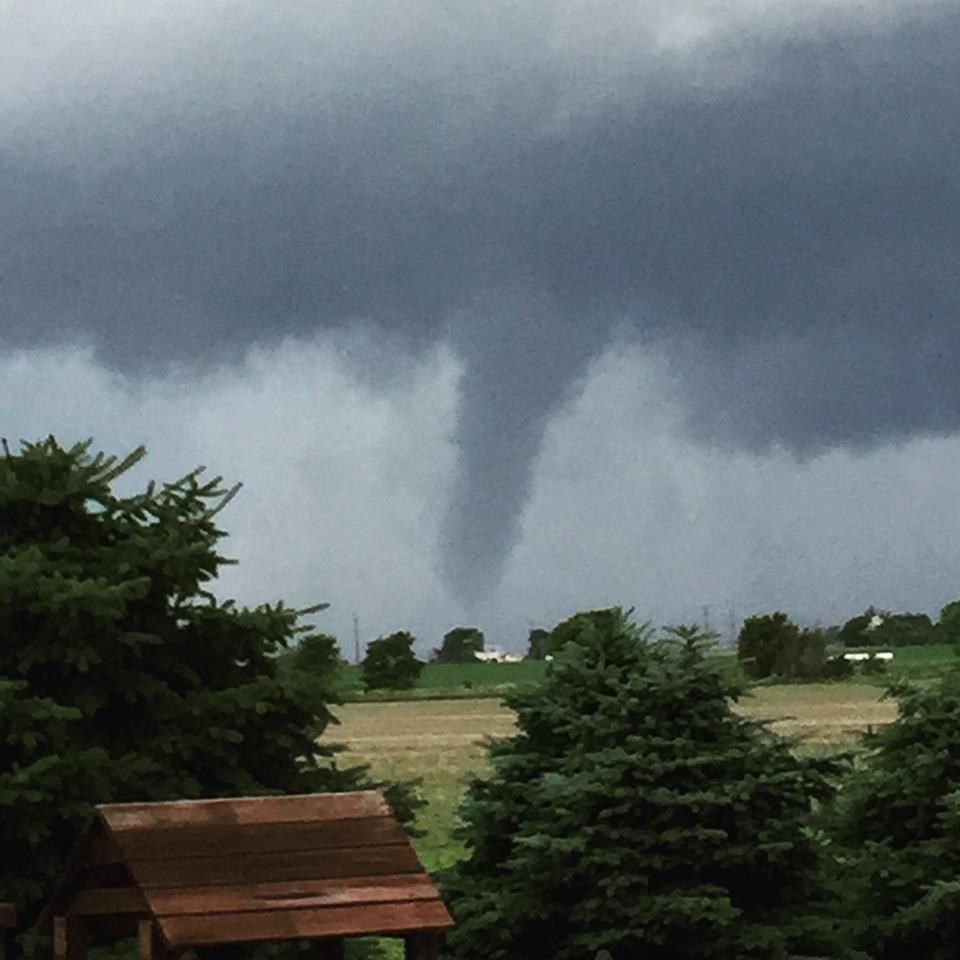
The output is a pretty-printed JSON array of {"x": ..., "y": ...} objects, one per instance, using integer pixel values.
[
  {"x": 635, "y": 811},
  {"x": 899, "y": 829},
  {"x": 391, "y": 664},
  {"x": 571, "y": 628},
  {"x": 122, "y": 677}
]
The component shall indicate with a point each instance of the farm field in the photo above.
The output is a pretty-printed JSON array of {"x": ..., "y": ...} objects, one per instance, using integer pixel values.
[
  {"x": 468, "y": 680},
  {"x": 441, "y": 741},
  {"x": 448, "y": 680}
]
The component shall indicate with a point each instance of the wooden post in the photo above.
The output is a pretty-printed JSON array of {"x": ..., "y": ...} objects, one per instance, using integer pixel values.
[
  {"x": 8, "y": 923},
  {"x": 422, "y": 946},
  {"x": 149, "y": 942},
  {"x": 69, "y": 938},
  {"x": 329, "y": 948}
]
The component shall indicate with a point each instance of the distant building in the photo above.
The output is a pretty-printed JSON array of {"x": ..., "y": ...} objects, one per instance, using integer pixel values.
[{"x": 497, "y": 655}]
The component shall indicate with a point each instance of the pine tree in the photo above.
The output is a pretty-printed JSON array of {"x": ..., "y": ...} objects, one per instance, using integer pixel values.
[
  {"x": 898, "y": 829},
  {"x": 122, "y": 677},
  {"x": 635, "y": 811}
]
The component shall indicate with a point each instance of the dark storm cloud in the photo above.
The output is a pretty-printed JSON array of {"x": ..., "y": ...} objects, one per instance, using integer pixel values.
[{"x": 782, "y": 213}]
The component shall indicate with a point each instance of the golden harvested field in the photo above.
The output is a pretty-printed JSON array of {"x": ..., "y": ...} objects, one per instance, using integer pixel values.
[
  {"x": 442, "y": 740},
  {"x": 822, "y": 714}
]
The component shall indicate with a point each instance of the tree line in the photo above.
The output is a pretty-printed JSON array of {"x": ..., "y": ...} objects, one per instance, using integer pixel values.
[{"x": 769, "y": 646}]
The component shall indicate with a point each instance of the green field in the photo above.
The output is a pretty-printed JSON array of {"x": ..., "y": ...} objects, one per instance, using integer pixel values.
[
  {"x": 471, "y": 680},
  {"x": 450, "y": 680},
  {"x": 916, "y": 663},
  {"x": 460, "y": 680}
]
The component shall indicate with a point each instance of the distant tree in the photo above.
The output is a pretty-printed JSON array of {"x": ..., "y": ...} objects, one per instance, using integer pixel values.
[
  {"x": 898, "y": 829},
  {"x": 537, "y": 643},
  {"x": 317, "y": 654},
  {"x": 832, "y": 633},
  {"x": 838, "y": 668},
  {"x": 460, "y": 645},
  {"x": 765, "y": 643},
  {"x": 853, "y": 632},
  {"x": 572, "y": 627},
  {"x": 811, "y": 653},
  {"x": 122, "y": 677},
  {"x": 693, "y": 634},
  {"x": 772, "y": 645},
  {"x": 391, "y": 664},
  {"x": 903, "y": 630},
  {"x": 635, "y": 811},
  {"x": 312, "y": 668},
  {"x": 950, "y": 622}
]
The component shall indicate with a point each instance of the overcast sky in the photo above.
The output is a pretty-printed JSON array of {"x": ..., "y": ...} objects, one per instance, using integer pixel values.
[{"x": 504, "y": 310}]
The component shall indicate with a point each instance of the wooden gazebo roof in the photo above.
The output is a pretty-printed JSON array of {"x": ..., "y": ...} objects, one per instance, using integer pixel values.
[{"x": 249, "y": 869}]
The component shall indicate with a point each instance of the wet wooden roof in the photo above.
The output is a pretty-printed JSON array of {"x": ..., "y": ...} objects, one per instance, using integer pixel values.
[{"x": 250, "y": 869}]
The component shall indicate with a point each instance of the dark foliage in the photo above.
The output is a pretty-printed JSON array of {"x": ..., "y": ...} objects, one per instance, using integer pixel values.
[
  {"x": 460, "y": 645},
  {"x": 904, "y": 630},
  {"x": 537, "y": 643},
  {"x": 899, "y": 828},
  {"x": 635, "y": 811},
  {"x": 122, "y": 678},
  {"x": 391, "y": 664},
  {"x": 772, "y": 645}
]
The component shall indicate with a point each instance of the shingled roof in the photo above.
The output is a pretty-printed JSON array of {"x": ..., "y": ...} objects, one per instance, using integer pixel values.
[{"x": 249, "y": 869}]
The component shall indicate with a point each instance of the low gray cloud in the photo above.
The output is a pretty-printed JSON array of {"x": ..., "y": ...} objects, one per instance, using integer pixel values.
[
  {"x": 342, "y": 481},
  {"x": 626, "y": 509},
  {"x": 770, "y": 198}
]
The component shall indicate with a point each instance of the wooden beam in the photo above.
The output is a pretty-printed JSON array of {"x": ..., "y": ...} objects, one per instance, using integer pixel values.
[
  {"x": 69, "y": 938},
  {"x": 108, "y": 901},
  {"x": 377, "y": 919},
  {"x": 330, "y": 948},
  {"x": 241, "y": 810},
  {"x": 215, "y": 839},
  {"x": 295, "y": 895},
  {"x": 422, "y": 946},
  {"x": 270, "y": 867}
]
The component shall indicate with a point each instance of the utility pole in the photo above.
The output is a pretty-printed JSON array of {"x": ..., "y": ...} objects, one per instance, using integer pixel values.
[
  {"x": 356, "y": 639},
  {"x": 706, "y": 618}
]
